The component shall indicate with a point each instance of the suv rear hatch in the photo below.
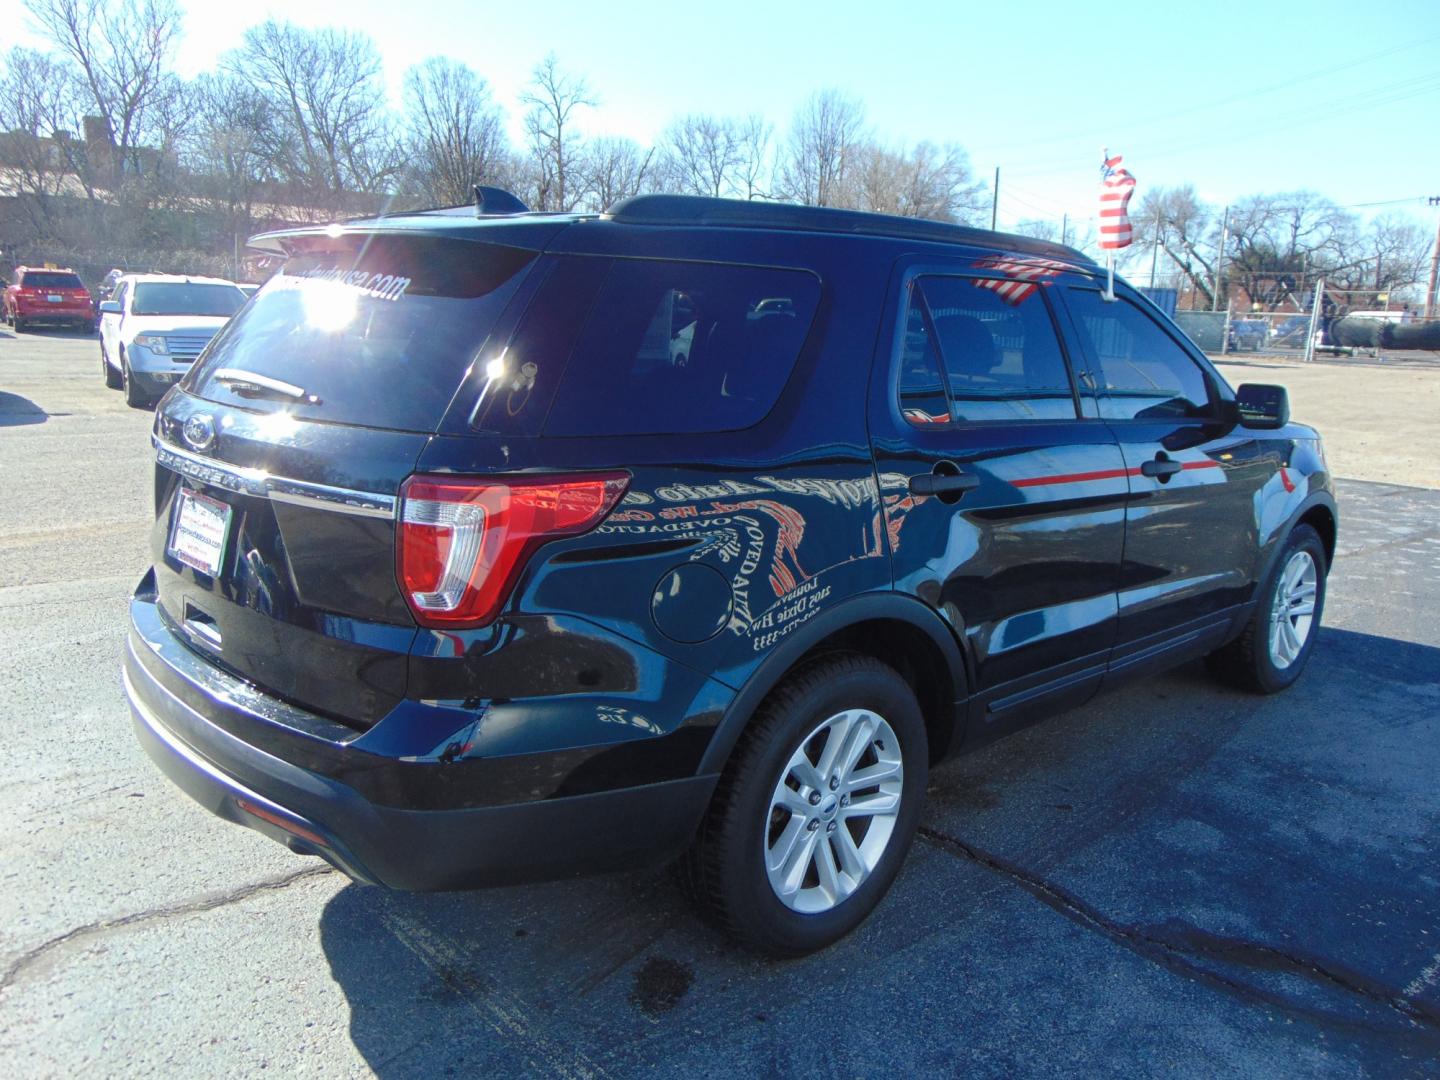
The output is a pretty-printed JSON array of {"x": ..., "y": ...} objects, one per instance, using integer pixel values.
[
  {"x": 281, "y": 457},
  {"x": 53, "y": 293}
]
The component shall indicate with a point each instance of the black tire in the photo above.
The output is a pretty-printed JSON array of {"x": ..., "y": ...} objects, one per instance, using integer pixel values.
[
  {"x": 135, "y": 397},
  {"x": 724, "y": 872},
  {"x": 19, "y": 324},
  {"x": 1247, "y": 662},
  {"x": 113, "y": 378}
]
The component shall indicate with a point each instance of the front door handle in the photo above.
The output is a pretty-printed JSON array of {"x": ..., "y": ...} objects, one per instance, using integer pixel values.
[
  {"x": 1162, "y": 468},
  {"x": 934, "y": 483}
]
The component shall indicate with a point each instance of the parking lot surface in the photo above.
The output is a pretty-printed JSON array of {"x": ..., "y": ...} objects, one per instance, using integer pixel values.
[{"x": 1176, "y": 879}]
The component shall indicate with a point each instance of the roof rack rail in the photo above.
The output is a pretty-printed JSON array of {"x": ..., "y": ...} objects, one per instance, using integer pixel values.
[{"x": 691, "y": 210}]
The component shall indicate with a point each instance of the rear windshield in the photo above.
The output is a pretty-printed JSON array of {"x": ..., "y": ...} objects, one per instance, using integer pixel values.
[
  {"x": 185, "y": 298},
  {"x": 50, "y": 279},
  {"x": 673, "y": 347},
  {"x": 377, "y": 331}
]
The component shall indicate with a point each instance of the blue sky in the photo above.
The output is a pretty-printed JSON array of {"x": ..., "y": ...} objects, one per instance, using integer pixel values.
[{"x": 1235, "y": 98}]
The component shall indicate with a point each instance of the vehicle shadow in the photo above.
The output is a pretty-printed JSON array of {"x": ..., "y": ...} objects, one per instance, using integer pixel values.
[
  {"x": 57, "y": 332},
  {"x": 616, "y": 973},
  {"x": 16, "y": 411}
]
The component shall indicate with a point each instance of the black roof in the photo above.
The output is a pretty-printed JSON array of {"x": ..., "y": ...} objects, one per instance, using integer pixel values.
[{"x": 694, "y": 211}]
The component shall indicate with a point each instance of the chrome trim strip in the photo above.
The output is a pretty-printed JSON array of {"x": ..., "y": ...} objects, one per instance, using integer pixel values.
[{"x": 263, "y": 485}]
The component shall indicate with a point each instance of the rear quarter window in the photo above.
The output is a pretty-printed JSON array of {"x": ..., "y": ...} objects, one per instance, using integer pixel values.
[{"x": 674, "y": 347}]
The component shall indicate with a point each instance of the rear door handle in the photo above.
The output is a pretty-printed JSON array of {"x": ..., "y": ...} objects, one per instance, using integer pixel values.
[
  {"x": 1160, "y": 467},
  {"x": 943, "y": 483}
]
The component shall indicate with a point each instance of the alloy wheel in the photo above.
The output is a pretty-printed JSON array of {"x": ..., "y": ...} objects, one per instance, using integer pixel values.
[
  {"x": 833, "y": 811},
  {"x": 1292, "y": 612}
]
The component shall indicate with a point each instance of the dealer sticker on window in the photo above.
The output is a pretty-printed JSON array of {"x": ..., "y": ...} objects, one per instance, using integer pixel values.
[{"x": 198, "y": 532}]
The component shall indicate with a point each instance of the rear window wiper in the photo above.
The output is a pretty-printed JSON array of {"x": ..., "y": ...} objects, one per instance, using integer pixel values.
[{"x": 250, "y": 382}]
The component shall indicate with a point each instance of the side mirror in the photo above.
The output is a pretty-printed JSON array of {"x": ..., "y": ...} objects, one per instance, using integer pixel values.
[
  {"x": 110, "y": 307},
  {"x": 1262, "y": 405}
]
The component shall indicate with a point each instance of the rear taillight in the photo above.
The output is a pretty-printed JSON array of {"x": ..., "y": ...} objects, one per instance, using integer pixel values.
[{"x": 463, "y": 543}]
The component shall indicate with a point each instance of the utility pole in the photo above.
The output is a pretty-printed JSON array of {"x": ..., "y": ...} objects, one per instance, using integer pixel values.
[
  {"x": 995, "y": 200},
  {"x": 1220, "y": 256},
  {"x": 1065, "y": 227},
  {"x": 1155, "y": 253},
  {"x": 1315, "y": 309},
  {"x": 1434, "y": 265}
]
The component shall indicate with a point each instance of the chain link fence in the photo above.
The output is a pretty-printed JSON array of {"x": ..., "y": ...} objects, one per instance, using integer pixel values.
[{"x": 1351, "y": 323}]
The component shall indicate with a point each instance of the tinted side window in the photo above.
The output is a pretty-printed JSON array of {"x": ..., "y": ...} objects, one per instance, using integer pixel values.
[
  {"x": 675, "y": 347},
  {"x": 1144, "y": 373},
  {"x": 520, "y": 383},
  {"x": 922, "y": 394},
  {"x": 997, "y": 347}
]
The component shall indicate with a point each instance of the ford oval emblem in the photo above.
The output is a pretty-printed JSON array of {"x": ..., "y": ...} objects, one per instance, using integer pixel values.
[{"x": 199, "y": 431}]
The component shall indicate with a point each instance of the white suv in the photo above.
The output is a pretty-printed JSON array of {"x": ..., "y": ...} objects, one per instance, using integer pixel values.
[{"x": 153, "y": 326}]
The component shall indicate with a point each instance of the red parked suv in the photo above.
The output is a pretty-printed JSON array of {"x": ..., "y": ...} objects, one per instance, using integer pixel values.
[{"x": 38, "y": 295}]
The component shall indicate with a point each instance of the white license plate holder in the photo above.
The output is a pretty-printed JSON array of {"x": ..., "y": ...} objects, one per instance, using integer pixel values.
[{"x": 199, "y": 529}]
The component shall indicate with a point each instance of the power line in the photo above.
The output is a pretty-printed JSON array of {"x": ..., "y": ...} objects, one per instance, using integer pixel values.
[
  {"x": 1312, "y": 113},
  {"x": 1245, "y": 95}
]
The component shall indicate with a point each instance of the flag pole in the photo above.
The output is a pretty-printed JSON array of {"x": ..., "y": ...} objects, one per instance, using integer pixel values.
[{"x": 1116, "y": 187}]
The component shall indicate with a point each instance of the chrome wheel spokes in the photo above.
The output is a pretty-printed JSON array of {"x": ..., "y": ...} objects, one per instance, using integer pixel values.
[
  {"x": 833, "y": 811},
  {"x": 1292, "y": 611}
]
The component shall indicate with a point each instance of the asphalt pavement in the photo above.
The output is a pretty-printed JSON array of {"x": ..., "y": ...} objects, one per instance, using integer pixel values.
[{"x": 1177, "y": 879}]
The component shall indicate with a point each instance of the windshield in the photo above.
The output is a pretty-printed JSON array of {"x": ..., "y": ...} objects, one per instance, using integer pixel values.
[
  {"x": 185, "y": 298},
  {"x": 48, "y": 279},
  {"x": 377, "y": 330}
]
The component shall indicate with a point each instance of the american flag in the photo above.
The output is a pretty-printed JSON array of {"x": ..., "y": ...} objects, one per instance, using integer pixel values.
[
  {"x": 1023, "y": 276},
  {"x": 1116, "y": 187}
]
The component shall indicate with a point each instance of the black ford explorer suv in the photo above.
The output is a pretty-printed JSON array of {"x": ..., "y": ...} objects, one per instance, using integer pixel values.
[{"x": 497, "y": 547}]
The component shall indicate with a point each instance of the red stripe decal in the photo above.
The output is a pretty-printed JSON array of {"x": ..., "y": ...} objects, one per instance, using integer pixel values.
[
  {"x": 1075, "y": 478},
  {"x": 1104, "y": 474}
]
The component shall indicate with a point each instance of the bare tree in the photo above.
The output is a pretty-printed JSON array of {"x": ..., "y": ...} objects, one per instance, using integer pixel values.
[
  {"x": 1276, "y": 241},
  {"x": 704, "y": 154},
  {"x": 35, "y": 96},
  {"x": 928, "y": 182},
  {"x": 332, "y": 131},
  {"x": 455, "y": 133},
  {"x": 819, "y": 151},
  {"x": 616, "y": 168},
  {"x": 1037, "y": 228},
  {"x": 228, "y": 149},
  {"x": 120, "y": 51},
  {"x": 1391, "y": 255},
  {"x": 1188, "y": 230},
  {"x": 754, "y": 164},
  {"x": 554, "y": 144}
]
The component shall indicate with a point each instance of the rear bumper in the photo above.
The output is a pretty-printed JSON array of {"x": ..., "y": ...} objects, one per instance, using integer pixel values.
[
  {"x": 54, "y": 313},
  {"x": 318, "y": 814}
]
